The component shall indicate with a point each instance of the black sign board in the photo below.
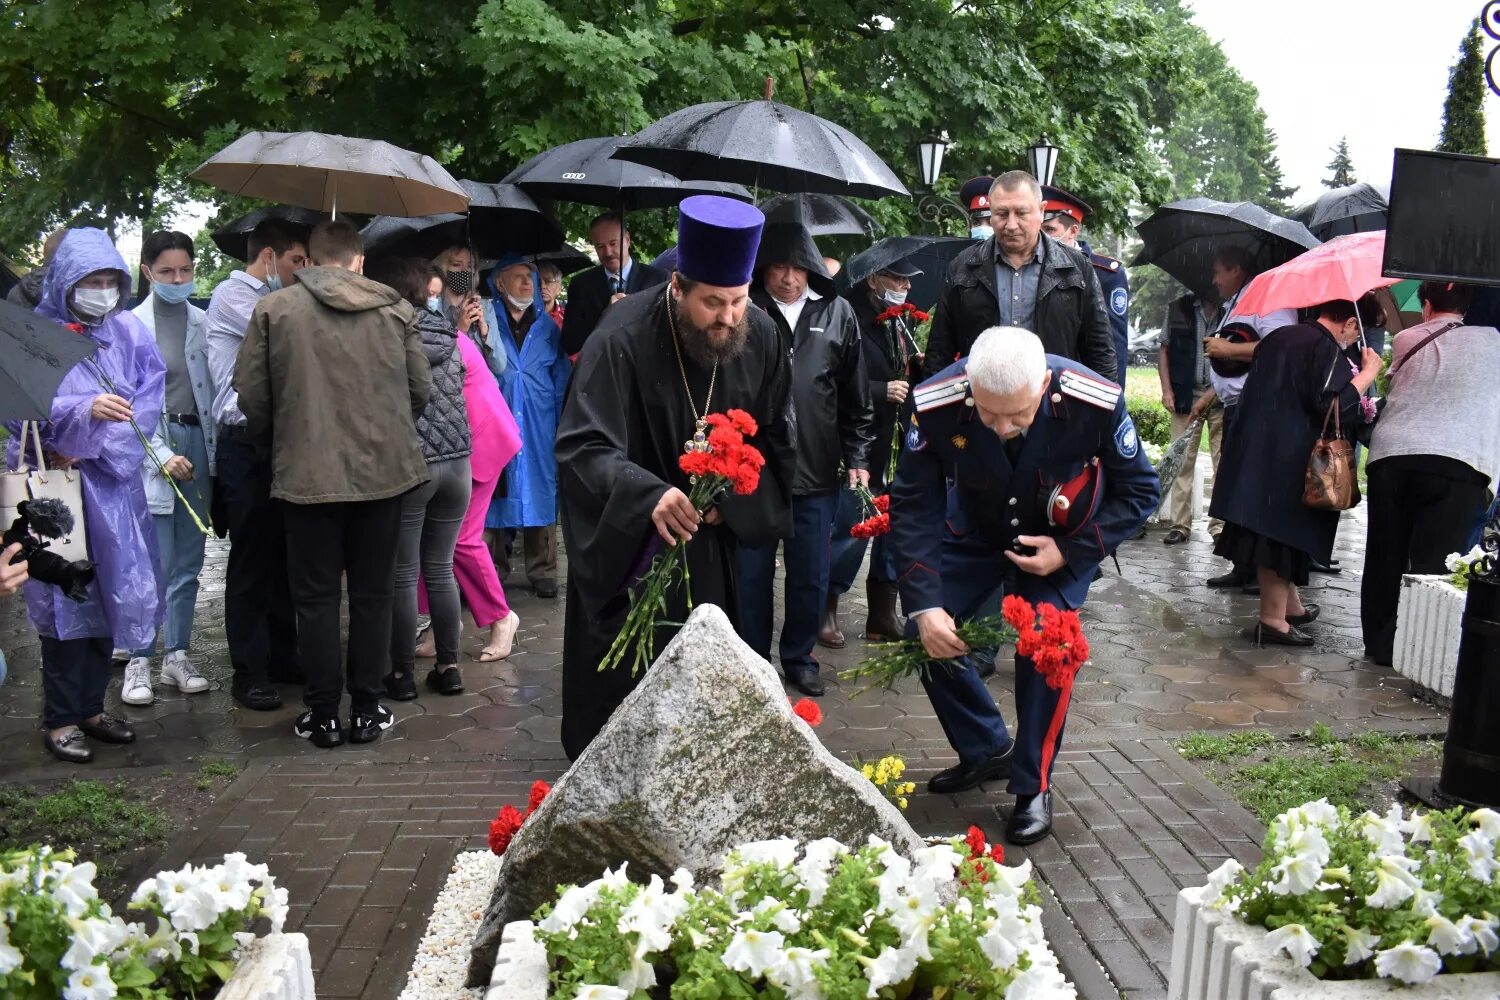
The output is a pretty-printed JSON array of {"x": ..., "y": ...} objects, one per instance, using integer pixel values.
[{"x": 1444, "y": 221}]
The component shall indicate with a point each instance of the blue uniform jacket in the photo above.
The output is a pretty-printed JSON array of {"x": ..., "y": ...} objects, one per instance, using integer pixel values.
[
  {"x": 1116, "y": 288},
  {"x": 955, "y": 489}
]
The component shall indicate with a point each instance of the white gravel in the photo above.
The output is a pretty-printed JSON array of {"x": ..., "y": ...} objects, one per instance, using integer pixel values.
[{"x": 442, "y": 961}]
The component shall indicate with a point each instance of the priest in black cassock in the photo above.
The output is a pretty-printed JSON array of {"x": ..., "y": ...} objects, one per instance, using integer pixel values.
[{"x": 658, "y": 363}]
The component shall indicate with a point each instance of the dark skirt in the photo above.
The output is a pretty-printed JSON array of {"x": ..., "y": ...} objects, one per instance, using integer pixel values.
[{"x": 1250, "y": 550}]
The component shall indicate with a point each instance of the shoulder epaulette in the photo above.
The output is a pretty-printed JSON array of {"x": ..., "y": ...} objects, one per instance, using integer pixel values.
[
  {"x": 936, "y": 394},
  {"x": 1104, "y": 263},
  {"x": 1095, "y": 391}
]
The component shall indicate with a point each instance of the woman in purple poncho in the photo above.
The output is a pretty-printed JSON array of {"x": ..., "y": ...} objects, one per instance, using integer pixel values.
[{"x": 89, "y": 429}]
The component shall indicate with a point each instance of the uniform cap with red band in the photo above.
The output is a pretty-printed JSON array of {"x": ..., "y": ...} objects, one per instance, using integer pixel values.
[{"x": 1056, "y": 201}]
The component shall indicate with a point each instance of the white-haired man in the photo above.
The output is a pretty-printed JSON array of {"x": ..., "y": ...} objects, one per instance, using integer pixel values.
[{"x": 1047, "y": 478}]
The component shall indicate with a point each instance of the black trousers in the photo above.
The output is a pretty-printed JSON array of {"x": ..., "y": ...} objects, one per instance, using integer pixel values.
[
  {"x": 75, "y": 673},
  {"x": 258, "y": 619},
  {"x": 325, "y": 542},
  {"x": 1421, "y": 509}
]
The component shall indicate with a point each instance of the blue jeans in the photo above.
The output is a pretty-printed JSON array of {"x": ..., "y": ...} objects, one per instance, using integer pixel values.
[
  {"x": 849, "y": 553},
  {"x": 181, "y": 543},
  {"x": 806, "y": 585}
]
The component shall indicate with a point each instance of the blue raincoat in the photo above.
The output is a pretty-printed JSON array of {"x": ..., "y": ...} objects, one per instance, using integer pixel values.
[
  {"x": 125, "y": 600},
  {"x": 533, "y": 380}
]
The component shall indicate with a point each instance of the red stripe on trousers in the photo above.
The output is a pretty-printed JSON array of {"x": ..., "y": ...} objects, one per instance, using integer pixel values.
[{"x": 1054, "y": 732}]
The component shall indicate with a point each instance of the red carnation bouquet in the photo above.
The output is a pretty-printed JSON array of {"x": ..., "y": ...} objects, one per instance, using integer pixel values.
[
  {"x": 876, "y": 514},
  {"x": 905, "y": 311},
  {"x": 504, "y": 826},
  {"x": 1053, "y": 639},
  {"x": 716, "y": 462}
]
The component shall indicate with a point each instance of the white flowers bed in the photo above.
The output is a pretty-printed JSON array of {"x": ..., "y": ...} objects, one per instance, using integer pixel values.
[
  {"x": 442, "y": 962},
  {"x": 821, "y": 922},
  {"x": 1345, "y": 906}
]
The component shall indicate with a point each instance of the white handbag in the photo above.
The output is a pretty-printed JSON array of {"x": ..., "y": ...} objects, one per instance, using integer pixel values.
[
  {"x": 13, "y": 484},
  {"x": 59, "y": 484}
]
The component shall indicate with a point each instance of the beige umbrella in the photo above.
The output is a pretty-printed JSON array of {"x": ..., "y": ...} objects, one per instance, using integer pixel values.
[{"x": 330, "y": 172}]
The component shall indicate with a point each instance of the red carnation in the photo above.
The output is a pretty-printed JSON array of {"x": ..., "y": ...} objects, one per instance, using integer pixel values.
[
  {"x": 743, "y": 422},
  {"x": 503, "y": 827},
  {"x": 1018, "y": 613},
  {"x": 808, "y": 711},
  {"x": 976, "y": 842},
  {"x": 882, "y": 503},
  {"x": 997, "y": 854},
  {"x": 539, "y": 790}
]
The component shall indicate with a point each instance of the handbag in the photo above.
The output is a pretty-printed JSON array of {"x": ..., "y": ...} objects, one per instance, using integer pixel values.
[
  {"x": 40, "y": 482},
  {"x": 1330, "y": 482}
]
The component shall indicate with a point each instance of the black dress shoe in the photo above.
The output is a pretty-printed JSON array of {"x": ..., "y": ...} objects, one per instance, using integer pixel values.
[
  {"x": 400, "y": 687},
  {"x": 546, "y": 589},
  {"x": 445, "y": 681},
  {"x": 806, "y": 680},
  {"x": 966, "y": 776},
  {"x": 366, "y": 727},
  {"x": 323, "y": 730},
  {"x": 108, "y": 729},
  {"x": 1229, "y": 580},
  {"x": 1264, "y": 635},
  {"x": 71, "y": 747},
  {"x": 1175, "y": 537},
  {"x": 256, "y": 696},
  {"x": 1310, "y": 613},
  {"x": 1330, "y": 567},
  {"x": 1030, "y": 820}
]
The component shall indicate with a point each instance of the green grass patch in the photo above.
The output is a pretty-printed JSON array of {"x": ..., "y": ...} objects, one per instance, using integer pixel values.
[
  {"x": 214, "y": 769},
  {"x": 96, "y": 819},
  {"x": 1223, "y": 747},
  {"x": 1269, "y": 775}
]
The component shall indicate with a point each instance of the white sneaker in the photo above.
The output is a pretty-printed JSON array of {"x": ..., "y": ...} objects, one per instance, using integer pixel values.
[
  {"x": 178, "y": 671},
  {"x": 136, "y": 688}
]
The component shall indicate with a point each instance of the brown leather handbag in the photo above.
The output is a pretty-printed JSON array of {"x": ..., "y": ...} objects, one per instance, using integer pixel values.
[{"x": 1331, "y": 482}]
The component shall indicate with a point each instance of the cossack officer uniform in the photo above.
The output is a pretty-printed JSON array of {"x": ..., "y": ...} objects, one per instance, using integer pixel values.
[
  {"x": 1078, "y": 473},
  {"x": 1113, "y": 280}
]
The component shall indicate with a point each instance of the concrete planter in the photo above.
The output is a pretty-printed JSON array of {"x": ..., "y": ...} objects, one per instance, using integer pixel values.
[
  {"x": 275, "y": 967},
  {"x": 1427, "y": 631},
  {"x": 1215, "y": 956},
  {"x": 520, "y": 967}
]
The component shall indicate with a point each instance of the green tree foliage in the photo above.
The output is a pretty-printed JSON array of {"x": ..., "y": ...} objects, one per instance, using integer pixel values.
[
  {"x": 1463, "y": 109},
  {"x": 1341, "y": 167}
]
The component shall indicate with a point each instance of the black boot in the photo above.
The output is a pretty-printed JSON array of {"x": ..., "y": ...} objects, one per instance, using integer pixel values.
[
  {"x": 883, "y": 625},
  {"x": 829, "y": 633}
]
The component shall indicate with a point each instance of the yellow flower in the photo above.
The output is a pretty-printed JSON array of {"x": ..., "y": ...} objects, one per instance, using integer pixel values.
[
  {"x": 898, "y": 766},
  {"x": 901, "y": 802},
  {"x": 868, "y": 770}
]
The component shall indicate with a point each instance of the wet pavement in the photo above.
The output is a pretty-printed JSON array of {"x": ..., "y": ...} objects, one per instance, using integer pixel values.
[{"x": 1167, "y": 660}]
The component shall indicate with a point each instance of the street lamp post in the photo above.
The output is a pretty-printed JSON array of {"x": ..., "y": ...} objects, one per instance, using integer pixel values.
[
  {"x": 933, "y": 206},
  {"x": 1042, "y": 157}
]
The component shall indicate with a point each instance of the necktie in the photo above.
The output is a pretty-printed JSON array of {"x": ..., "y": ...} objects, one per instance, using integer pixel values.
[
  {"x": 616, "y": 286},
  {"x": 1013, "y": 448}
]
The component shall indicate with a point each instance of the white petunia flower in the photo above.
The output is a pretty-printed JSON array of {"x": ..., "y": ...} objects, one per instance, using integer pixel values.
[
  {"x": 640, "y": 976},
  {"x": 1424, "y": 902},
  {"x": 780, "y": 853},
  {"x": 275, "y": 905},
  {"x": 1408, "y": 962},
  {"x": 1383, "y": 831},
  {"x": 1297, "y": 941},
  {"x": 1394, "y": 882},
  {"x": 1483, "y": 928},
  {"x": 1296, "y": 874},
  {"x": 999, "y": 946},
  {"x": 10, "y": 955},
  {"x": 682, "y": 880},
  {"x": 797, "y": 973},
  {"x": 189, "y": 941},
  {"x": 73, "y": 887},
  {"x": 1222, "y": 877},
  {"x": 94, "y": 938},
  {"x": 195, "y": 910},
  {"x": 229, "y": 891},
  {"x": 90, "y": 983},
  {"x": 1419, "y": 827},
  {"x": 1361, "y": 945},
  {"x": 1488, "y": 821},
  {"x": 1041, "y": 982},
  {"x": 755, "y": 951},
  {"x": 1480, "y": 850},
  {"x": 892, "y": 967},
  {"x": 591, "y": 992},
  {"x": 571, "y": 907},
  {"x": 914, "y": 918},
  {"x": 1448, "y": 938}
]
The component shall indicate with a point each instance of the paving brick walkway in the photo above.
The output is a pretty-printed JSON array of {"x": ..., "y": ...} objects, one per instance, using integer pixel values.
[{"x": 364, "y": 836}]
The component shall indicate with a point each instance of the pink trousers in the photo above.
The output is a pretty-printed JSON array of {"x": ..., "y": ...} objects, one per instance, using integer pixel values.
[{"x": 472, "y": 566}]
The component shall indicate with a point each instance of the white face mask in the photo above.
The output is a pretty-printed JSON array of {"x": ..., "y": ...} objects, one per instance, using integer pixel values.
[
  {"x": 519, "y": 305},
  {"x": 893, "y": 297},
  {"x": 93, "y": 304}
]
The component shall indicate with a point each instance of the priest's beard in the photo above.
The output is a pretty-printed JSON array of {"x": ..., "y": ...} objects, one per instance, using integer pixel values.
[{"x": 701, "y": 347}]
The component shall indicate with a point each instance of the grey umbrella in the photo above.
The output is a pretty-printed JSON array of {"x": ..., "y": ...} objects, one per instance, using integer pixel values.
[
  {"x": 1182, "y": 238},
  {"x": 821, "y": 214},
  {"x": 331, "y": 172},
  {"x": 1172, "y": 458},
  {"x": 1358, "y": 208},
  {"x": 35, "y": 354},
  {"x": 763, "y": 144}
]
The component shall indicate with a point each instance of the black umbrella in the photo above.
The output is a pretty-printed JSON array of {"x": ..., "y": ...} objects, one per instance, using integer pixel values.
[
  {"x": 504, "y": 219},
  {"x": 584, "y": 172},
  {"x": 425, "y": 236},
  {"x": 763, "y": 144},
  {"x": 1182, "y": 238},
  {"x": 35, "y": 354},
  {"x": 933, "y": 261},
  {"x": 1357, "y": 208},
  {"x": 882, "y": 254},
  {"x": 234, "y": 237},
  {"x": 567, "y": 260},
  {"x": 820, "y": 214}
]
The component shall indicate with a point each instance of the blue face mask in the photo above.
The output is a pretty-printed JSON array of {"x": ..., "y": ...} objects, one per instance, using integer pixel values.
[
  {"x": 435, "y": 304},
  {"x": 172, "y": 294},
  {"x": 981, "y": 232},
  {"x": 273, "y": 278}
]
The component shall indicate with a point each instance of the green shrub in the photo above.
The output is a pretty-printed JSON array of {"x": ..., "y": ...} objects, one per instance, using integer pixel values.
[{"x": 1153, "y": 424}]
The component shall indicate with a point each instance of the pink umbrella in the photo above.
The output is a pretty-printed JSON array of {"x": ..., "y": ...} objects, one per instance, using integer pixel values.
[{"x": 1346, "y": 267}]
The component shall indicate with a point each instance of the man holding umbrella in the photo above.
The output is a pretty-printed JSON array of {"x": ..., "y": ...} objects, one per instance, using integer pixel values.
[
  {"x": 831, "y": 404},
  {"x": 1022, "y": 278}
]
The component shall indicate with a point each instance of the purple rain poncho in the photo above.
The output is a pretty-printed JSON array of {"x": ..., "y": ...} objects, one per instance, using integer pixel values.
[{"x": 125, "y": 601}]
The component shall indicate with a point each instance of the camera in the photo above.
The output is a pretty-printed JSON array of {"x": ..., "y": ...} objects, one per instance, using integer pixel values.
[{"x": 36, "y": 522}]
